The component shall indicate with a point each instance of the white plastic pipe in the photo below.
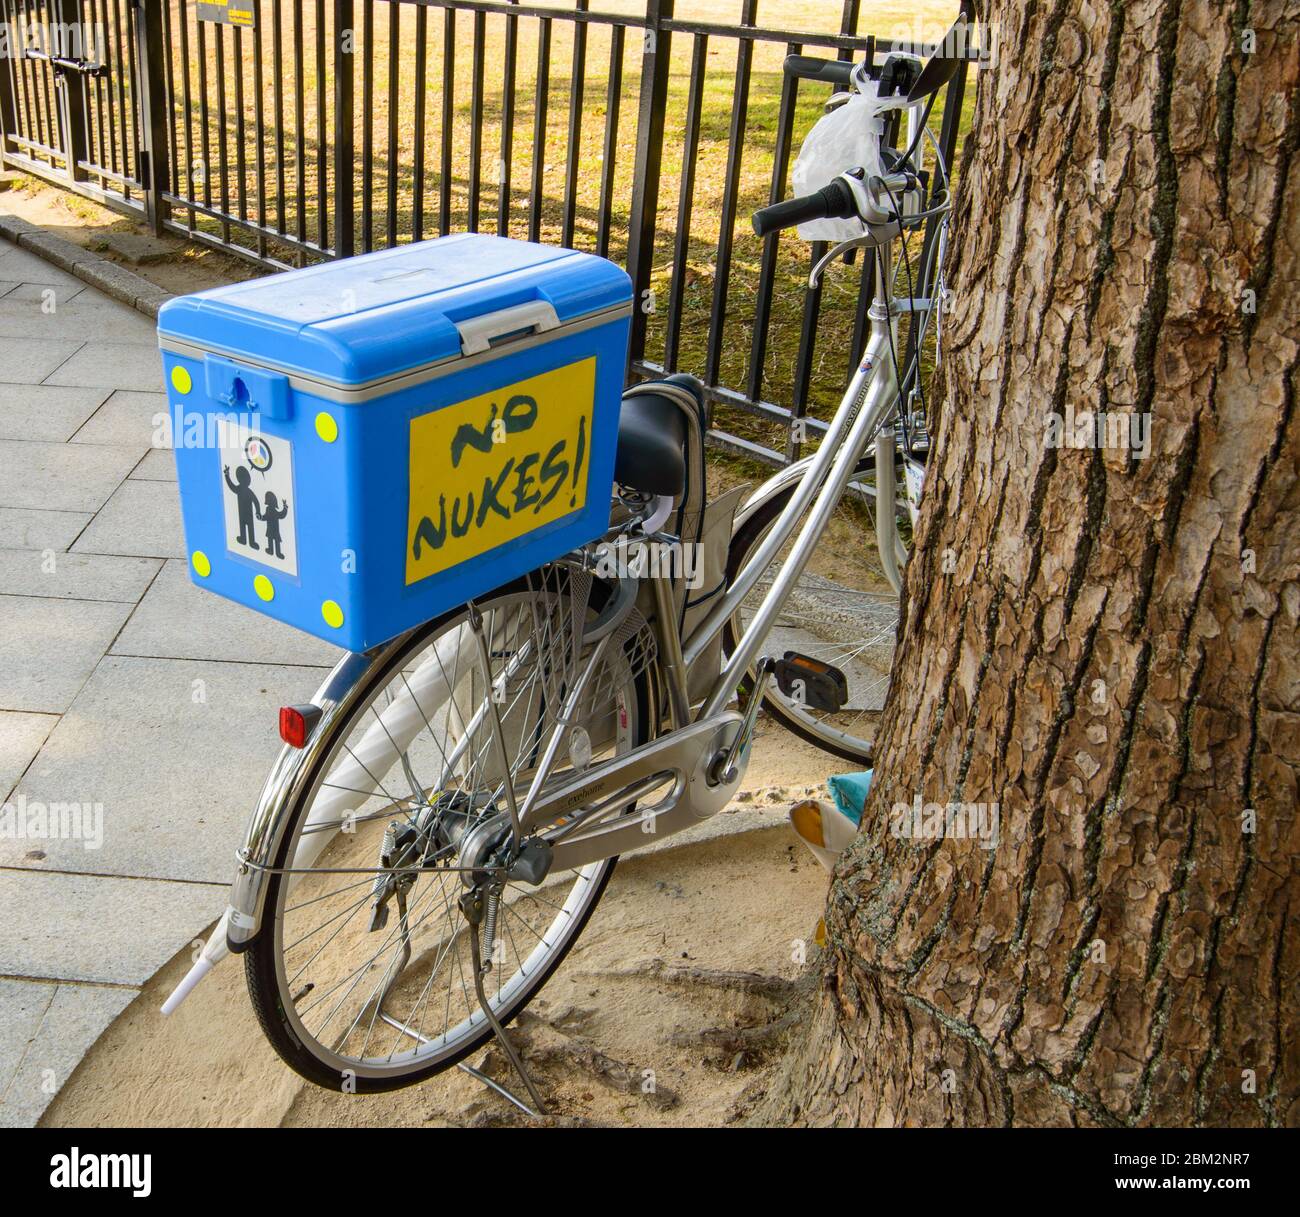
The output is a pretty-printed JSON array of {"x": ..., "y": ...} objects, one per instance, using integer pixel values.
[
  {"x": 211, "y": 955},
  {"x": 663, "y": 509}
]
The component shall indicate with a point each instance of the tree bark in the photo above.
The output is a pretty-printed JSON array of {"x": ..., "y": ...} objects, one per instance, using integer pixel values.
[{"x": 1103, "y": 645}]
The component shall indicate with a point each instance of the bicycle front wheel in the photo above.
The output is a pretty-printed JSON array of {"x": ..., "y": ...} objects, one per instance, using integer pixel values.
[
  {"x": 362, "y": 978},
  {"x": 842, "y": 612}
]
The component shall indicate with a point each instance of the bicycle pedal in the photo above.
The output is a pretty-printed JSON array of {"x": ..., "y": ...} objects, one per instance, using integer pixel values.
[{"x": 811, "y": 683}]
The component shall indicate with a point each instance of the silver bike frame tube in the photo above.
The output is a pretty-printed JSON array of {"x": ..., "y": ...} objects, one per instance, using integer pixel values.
[
  {"x": 808, "y": 487},
  {"x": 863, "y": 415},
  {"x": 887, "y": 541}
]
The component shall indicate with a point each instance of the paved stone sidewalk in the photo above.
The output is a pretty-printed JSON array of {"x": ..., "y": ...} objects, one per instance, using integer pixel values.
[{"x": 123, "y": 690}]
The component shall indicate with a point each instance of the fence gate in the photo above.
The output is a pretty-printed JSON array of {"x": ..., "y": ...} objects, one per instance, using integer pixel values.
[{"x": 71, "y": 98}]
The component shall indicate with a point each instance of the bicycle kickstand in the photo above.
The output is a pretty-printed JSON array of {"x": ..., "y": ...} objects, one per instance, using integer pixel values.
[{"x": 474, "y": 906}]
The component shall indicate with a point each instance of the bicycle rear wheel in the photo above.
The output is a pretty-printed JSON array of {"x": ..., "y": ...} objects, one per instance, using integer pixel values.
[{"x": 362, "y": 980}]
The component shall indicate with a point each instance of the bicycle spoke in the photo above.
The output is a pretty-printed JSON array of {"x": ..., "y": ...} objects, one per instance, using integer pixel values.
[{"x": 368, "y": 988}]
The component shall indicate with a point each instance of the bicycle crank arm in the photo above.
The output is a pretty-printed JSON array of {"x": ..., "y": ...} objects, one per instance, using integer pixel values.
[{"x": 687, "y": 760}]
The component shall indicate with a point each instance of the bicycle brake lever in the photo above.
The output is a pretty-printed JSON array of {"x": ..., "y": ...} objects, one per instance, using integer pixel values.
[{"x": 868, "y": 240}]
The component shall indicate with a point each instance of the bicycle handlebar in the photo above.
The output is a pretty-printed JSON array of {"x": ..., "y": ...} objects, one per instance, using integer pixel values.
[
  {"x": 832, "y": 71},
  {"x": 835, "y": 201}
]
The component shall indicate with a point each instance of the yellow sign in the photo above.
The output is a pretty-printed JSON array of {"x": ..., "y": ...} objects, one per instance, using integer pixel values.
[
  {"x": 228, "y": 12},
  {"x": 497, "y": 467}
]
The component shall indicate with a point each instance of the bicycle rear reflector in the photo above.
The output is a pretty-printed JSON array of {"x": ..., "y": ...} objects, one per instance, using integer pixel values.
[
  {"x": 296, "y": 723},
  {"x": 811, "y": 683}
]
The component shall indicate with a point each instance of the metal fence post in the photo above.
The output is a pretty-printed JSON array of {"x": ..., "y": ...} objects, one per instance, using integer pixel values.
[
  {"x": 344, "y": 136},
  {"x": 154, "y": 173},
  {"x": 67, "y": 42},
  {"x": 655, "y": 66},
  {"x": 8, "y": 113}
]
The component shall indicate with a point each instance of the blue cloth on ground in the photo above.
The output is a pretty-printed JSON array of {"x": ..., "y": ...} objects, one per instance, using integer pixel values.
[{"x": 849, "y": 791}]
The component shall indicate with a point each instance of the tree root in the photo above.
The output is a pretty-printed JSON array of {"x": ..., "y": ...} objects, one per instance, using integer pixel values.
[
  {"x": 739, "y": 1041},
  {"x": 755, "y": 984},
  {"x": 542, "y": 1042}
]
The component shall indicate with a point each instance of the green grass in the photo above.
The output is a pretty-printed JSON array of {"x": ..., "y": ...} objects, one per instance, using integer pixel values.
[{"x": 391, "y": 82}]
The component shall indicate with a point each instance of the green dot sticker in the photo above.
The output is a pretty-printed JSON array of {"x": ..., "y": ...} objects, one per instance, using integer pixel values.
[
  {"x": 326, "y": 427},
  {"x": 202, "y": 567},
  {"x": 181, "y": 381},
  {"x": 332, "y": 613},
  {"x": 263, "y": 587}
]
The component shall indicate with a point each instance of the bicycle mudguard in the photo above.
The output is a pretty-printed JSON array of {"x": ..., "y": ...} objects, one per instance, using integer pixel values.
[{"x": 295, "y": 769}]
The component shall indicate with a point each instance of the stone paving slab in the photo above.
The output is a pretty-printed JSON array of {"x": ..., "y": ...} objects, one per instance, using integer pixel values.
[
  {"x": 158, "y": 465},
  {"x": 62, "y": 477},
  {"x": 139, "y": 248},
  {"x": 46, "y": 412},
  {"x": 111, "y": 365},
  {"x": 24, "y": 267},
  {"x": 48, "y": 648},
  {"x": 49, "y": 295},
  {"x": 127, "y": 418},
  {"x": 25, "y": 572},
  {"x": 88, "y": 314},
  {"x": 142, "y": 518},
  {"x": 175, "y": 752},
  {"x": 28, "y": 528},
  {"x": 21, "y": 737},
  {"x": 29, "y": 362},
  {"x": 45, "y": 1030},
  {"x": 58, "y": 252},
  {"x": 97, "y": 928},
  {"x": 179, "y": 621}
]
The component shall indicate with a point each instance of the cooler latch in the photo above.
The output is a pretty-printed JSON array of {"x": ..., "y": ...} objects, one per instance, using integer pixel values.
[
  {"x": 241, "y": 387},
  {"x": 533, "y": 317}
]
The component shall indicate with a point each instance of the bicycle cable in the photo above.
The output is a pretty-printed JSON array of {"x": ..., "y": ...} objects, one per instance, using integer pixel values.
[{"x": 915, "y": 362}]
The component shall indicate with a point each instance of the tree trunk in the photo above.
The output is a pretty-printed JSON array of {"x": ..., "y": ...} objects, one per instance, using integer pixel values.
[{"x": 1101, "y": 644}]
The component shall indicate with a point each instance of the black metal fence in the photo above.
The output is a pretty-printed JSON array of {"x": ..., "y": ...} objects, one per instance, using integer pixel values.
[{"x": 287, "y": 131}]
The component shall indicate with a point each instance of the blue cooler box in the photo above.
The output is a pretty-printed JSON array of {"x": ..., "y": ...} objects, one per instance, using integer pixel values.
[{"x": 365, "y": 444}]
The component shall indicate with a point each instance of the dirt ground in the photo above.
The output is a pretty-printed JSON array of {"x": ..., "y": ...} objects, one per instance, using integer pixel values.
[
  {"x": 668, "y": 1012},
  {"x": 187, "y": 268}
]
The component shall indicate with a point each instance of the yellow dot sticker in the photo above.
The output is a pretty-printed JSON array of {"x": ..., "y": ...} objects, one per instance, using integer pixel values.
[
  {"x": 202, "y": 567},
  {"x": 326, "y": 427},
  {"x": 181, "y": 381},
  {"x": 263, "y": 587},
  {"x": 332, "y": 613}
]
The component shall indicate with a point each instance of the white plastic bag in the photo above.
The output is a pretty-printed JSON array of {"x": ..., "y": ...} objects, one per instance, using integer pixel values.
[{"x": 845, "y": 138}]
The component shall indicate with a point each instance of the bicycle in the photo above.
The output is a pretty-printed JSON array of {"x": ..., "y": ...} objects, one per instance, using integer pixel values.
[{"x": 433, "y": 842}]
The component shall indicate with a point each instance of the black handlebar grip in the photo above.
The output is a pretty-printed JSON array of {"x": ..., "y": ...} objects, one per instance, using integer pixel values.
[
  {"x": 832, "y": 71},
  {"x": 833, "y": 201}
]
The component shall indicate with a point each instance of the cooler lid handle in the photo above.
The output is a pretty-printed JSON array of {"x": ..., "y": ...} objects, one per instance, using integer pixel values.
[{"x": 532, "y": 317}]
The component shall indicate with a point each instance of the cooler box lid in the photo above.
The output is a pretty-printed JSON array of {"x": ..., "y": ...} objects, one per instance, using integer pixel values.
[{"x": 368, "y": 318}]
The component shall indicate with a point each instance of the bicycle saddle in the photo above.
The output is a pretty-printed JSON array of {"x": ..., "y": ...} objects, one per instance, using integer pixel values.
[{"x": 652, "y": 436}]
